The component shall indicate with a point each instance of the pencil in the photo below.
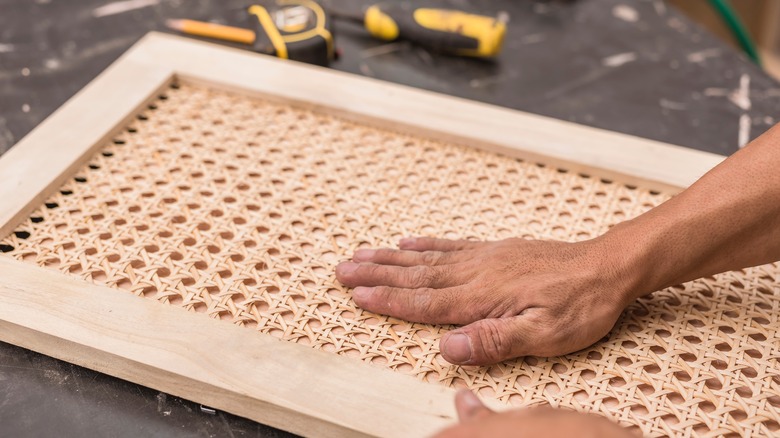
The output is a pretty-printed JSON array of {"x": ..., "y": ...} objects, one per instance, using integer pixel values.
[{"x": 211, "y": 30}]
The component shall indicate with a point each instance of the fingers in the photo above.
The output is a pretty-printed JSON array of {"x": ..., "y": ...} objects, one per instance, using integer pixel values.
[
  {"x": 469, "y": 407},
  {"x": 487, "y": 341},
  {"x": 432, "y": 244},
  {"x": 433, "y": 306},
  {"x": 370, "y": 274},
  {"x": 387, "y": 256}
]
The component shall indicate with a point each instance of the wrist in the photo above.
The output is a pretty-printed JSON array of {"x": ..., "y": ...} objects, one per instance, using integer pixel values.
[{"x": 628, "y": 261}]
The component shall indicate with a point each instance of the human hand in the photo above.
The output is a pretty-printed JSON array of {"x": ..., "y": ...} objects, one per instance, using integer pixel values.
[
  {"x": 478, "y": 421},
  {"x": 516, "y": 297}
]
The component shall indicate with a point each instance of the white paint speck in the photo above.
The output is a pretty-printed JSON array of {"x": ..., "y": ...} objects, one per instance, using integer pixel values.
[
  {"x": 716, "y": 92},
  {"x": 768, "y": 120},
  {"x": 6, "y": 48},
  {"x": 626, "y": 13},
  {"x": 25, "y": 108},
  {"x": 122, "y": 7},
  {"x": 660, "y": 7},
  {"x": 672, "y": 105},
  {"x": 619, "y": 59},
  {"x": 490, "y": 80},
  {"x": 744, "y": 130},
  {"x": 532, "y": 39},
  {"x": 677, "y": 24},
  {"x": 25, "y": 71},
  {"x": 366, "y": 70},
  {"x": 702, "y": 55},
  {"x": 384, "y": 49},
  {"x": 741, "y": 96},
  {"x": 52, "y": 63}
]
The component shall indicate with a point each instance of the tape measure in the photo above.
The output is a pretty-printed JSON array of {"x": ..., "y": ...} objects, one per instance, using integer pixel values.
[{"x": 293, "y": 29}]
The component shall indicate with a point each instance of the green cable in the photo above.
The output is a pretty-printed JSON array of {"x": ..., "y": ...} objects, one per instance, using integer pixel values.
[{"x": 737, "y": 28}]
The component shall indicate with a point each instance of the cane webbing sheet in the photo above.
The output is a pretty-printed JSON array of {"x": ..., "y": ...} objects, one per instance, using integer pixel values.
[{"x": 240, "y": 209}]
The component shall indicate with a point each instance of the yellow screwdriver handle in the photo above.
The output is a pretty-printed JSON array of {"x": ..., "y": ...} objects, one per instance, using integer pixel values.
[{"x": 449, "y": 31}]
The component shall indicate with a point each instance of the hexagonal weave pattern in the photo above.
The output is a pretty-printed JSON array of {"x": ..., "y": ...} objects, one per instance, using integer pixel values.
[{"x": 240, "y": 208}]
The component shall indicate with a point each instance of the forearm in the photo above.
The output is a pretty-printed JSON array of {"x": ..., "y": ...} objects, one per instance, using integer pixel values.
[{"x": 729, "y": 219}]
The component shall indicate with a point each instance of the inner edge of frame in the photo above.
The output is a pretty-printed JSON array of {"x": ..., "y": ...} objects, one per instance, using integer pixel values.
[
  {"x": 570, "y": 165},
  {"x": 17, "y": 217}
]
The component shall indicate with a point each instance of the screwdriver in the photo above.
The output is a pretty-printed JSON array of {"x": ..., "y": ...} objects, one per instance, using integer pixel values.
[{"x": 443, "y": 30}]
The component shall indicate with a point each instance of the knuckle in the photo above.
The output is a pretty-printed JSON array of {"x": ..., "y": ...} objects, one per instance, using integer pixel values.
[
  {"x": 381, "y": 293},
  {"x": 384, "y": 254},
  {"x": 421, "y": 303},
  {"x": 431, "y": 257},
  {"x": 419, "y": 276},
  {"x": 494, "y": 342},
  {"x": 369, "y": 269},
  {"x": 375, "y": 274}
]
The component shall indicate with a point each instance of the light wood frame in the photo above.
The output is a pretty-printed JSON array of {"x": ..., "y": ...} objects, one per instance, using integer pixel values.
[{"x": 323, "y": 394}]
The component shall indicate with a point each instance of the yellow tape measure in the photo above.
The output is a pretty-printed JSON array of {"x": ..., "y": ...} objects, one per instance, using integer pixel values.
[{"x": 294, "y": 29}]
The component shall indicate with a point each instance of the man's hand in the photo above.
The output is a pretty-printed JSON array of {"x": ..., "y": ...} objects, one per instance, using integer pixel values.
[
  {"x": 515, "y": 297},
  {"x": 479, "y": 421}
]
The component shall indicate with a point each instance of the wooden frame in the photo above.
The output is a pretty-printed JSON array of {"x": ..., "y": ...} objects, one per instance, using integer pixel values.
[{"x": 93, "y": 326}]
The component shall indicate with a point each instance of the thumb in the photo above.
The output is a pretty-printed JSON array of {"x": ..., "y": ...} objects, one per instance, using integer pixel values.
[
  {"x": 486, "y": 342},
  {"x": 469, "y": 407}
]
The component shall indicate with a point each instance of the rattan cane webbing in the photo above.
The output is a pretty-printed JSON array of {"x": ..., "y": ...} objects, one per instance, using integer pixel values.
[{"x": 240, "y": 209}]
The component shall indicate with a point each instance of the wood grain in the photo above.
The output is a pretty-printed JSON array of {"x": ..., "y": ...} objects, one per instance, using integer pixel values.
[{"x": 216, "y": 363}]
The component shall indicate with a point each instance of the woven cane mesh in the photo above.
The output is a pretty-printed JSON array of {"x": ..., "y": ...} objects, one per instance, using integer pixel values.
[{"x": 240, "y": 209}]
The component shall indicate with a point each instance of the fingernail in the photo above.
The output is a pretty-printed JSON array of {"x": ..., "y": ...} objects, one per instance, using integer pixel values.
[
  {"x": 407, "y": 241},
  {"x": 469, "y": 401},
  {"x": 457, "y": 348},
  {"x": 347, "y": 267},
  {"x": 468, "y": 406},
  {"x": 361, "y": 293},
  {"x": 363, "y": 255}
]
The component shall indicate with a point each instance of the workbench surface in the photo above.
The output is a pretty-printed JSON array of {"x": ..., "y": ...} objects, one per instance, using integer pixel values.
[{"x": 636, "y": 67}]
